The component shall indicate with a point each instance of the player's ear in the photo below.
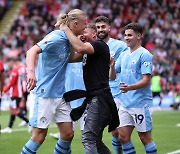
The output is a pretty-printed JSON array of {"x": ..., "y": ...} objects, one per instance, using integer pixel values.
[
  {"x": 139, "y": 36},
  {"x": 75, "y": 23}
]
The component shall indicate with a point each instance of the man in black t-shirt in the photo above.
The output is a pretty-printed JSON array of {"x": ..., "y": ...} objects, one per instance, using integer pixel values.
[{"x": 101, "y": 110}]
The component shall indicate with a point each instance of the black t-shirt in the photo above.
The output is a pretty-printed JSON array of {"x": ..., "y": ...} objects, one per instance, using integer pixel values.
[{"x": 96, "y": 66}]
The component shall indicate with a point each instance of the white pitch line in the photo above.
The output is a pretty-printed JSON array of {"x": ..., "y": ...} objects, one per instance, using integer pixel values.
[
  {"x": 26, "y": 129},
  {"x": 174, "y": 152}
]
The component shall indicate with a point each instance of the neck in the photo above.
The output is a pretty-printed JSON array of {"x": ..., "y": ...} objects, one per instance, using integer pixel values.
[
  {"x": 135, "y": 47},
  {"x": 106, "y": 39}
]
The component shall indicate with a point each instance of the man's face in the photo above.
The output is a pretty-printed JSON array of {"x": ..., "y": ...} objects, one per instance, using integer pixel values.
[
  {"x": 89, "y": 34},
  {"x": 103, "y": 30},
  {"x": 80, "y": 25},
  {"x": 131, "y": 37}
]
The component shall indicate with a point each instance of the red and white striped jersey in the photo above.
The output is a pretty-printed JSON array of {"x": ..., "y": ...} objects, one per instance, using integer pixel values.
[
  {"x": 17, "y": 83},
  {"x": 23, "y": 76}
]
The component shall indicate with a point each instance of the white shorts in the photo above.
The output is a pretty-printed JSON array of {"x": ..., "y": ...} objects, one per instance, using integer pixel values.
[
  {"x": 47, "y": 110},
  {"x": 13, "y": 104},
  {"x": 117, "y": 102},
  {"x": 139, "y": 117}
]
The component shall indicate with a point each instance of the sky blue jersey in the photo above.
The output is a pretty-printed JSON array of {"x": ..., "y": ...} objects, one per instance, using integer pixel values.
[
  {"x": 116, "y": 47},
  {"x": 52, "y": 64},
  {"x": 74, "y": 80},
  {"x": 132, "y": 66}
]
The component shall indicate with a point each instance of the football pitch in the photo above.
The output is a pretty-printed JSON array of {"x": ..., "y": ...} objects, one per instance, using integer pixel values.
[{"x": 166, "y": 134}]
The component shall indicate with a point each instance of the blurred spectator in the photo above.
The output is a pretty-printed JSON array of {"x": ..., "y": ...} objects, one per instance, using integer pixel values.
[
  {"x": 156, "y": 85},
  {"x": 4, "y": 6}
]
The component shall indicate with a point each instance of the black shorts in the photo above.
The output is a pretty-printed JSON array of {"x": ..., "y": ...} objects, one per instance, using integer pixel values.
[
  {"x": 25, "y": 94},
  {"x": 15, "y": 101}
]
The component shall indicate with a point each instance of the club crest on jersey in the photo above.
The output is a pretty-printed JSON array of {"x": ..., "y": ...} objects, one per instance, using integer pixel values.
[
  {"x": 134, "y": 61},
  {"x": 84, "y": 59}
]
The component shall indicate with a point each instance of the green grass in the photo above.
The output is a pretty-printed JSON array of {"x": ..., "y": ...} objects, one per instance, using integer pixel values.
[{"x": 165, "y": 134}]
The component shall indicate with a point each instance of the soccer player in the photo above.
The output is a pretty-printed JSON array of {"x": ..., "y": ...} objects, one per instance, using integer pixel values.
[
  {"x": 116, "y": 47},
  {"x": 53, "y": 51},
  {"x": 2, "y": 77},
  {"x": 101, "y": 110},
  {"x": 136, "y": 68},
  {"x": 16, "y": 92}
]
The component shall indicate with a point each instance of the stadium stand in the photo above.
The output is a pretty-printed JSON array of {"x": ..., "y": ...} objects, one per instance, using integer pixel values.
[
  {"x": 160, "y": 19},
  {"x": 4, "y": 6}
]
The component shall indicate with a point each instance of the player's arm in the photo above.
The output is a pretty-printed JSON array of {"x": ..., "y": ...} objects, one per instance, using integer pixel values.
[
  {"x": 2, "y": 78},
  {"x": 31, "y": 58},
  {"x": 13, "y": 80},
  {"x": 112, "y": 71},
  {"x": 146, "y": 79},
  {"x": 76, "y": 43}
]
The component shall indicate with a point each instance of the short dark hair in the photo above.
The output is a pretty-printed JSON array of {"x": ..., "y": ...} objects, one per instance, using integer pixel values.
[
  {"x": 92, "y": 25},
  {"x": 135, "y": 26},
  {"x": 102, "y": 19}
]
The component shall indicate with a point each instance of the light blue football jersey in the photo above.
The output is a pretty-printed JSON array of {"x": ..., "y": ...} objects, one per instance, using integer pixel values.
[
  {"x": 52, "y": 64},
  {"x": 74, "y": 80},
  {"x": 132, "y": 66},
  {"x": 116, "y": 47}
]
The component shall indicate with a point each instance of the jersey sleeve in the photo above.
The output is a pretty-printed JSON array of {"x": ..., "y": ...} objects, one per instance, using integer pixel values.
[
  {"x": 146, "y": 63},
  {"x": 53, "y": 39},
  {"x": 13, "y": 80},
  {"x": 46, "y": 42}
]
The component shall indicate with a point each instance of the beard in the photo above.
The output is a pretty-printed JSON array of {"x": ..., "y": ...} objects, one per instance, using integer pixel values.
[{"x": 102, "y": 35}]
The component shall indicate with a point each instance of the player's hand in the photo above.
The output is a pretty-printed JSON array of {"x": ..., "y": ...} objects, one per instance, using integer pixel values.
[
  {"x": 31, "y": 81},
  {"x": 123, "y": 87},
  {"x": 82, "y": 38}
]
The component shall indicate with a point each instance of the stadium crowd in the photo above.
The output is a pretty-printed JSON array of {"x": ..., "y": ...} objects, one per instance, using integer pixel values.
[
  {"x": 159, "y": 18},
  {"x": 4, "y": 6}
]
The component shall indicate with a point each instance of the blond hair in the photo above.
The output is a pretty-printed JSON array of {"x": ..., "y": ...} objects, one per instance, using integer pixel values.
[{"x": 66, "y": 18}]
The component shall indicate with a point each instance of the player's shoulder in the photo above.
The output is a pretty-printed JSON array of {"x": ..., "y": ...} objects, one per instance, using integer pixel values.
[
  {"x": 116, "y": 41},
  {"x": 55, "y": 34},
  {"x": 145, "y": 51},
  {"x": 100, "y": 42}
]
